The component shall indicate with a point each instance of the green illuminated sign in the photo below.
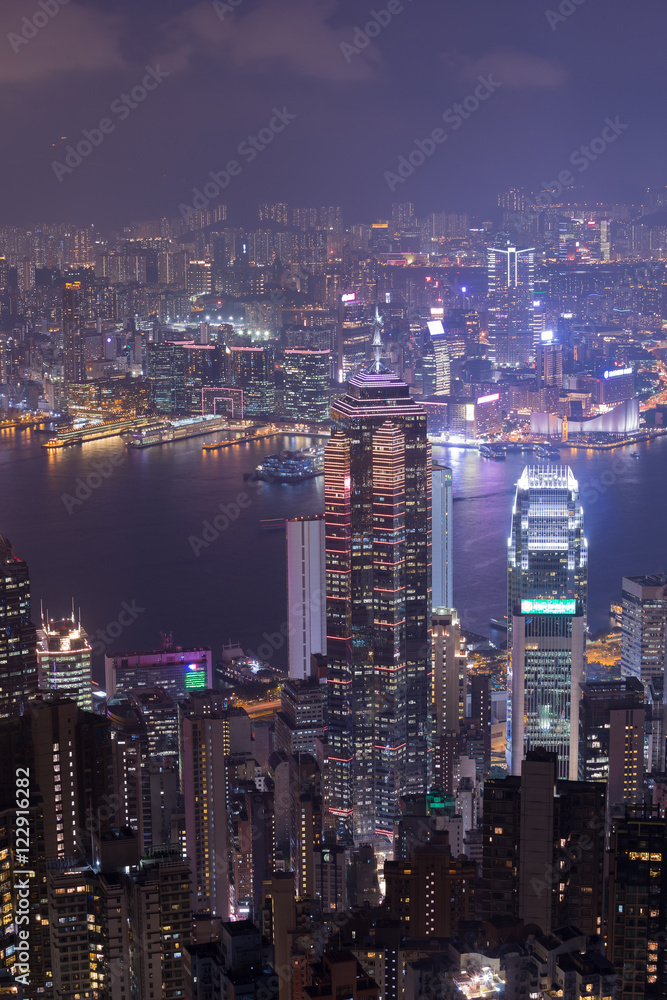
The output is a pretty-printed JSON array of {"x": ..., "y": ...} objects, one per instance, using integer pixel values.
[
  {"x": 548, "y": 607},
  {"x": 195, "y": 680}
]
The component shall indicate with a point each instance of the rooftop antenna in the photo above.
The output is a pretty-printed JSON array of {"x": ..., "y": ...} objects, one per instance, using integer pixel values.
[{"x": 378, "y": 326}]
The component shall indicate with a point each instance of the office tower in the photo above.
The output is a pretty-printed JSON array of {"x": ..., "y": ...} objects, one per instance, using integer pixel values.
[
  {"x": 511, "y": 274},
  {"x": 549, "y": 364},
  {"x": 441, "y": 355},
  {"x": 306, "y": 597},
  {"x": 546, "y": 610},
  {"x": 378, "y": 541},
  {"x": 73, "y": 353},
  {"x": 166, "y": 366},
  {"x": 179, "y": 671},
  {"x": 159, "y": 713},
  {"x": 533, "y": 826},
  {"x": 637, "y": 903},
  {"x": 443, "y": 534},
  {"x": 611, "y": 737},
  {"x": 18, "y": 638},
  {"x": 433, "y": 892},
  {"x": 307, "y": 376},
  {"x": 252, "y": 370},
  {"x": 300, "y": 723},
  {"x": 63, "y": 659},
  {"x": 643, "y": 625},
  {"x": 449, "y": 672}
]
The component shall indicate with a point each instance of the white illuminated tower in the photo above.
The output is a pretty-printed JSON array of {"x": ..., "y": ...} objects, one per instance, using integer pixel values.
[
  {"x": 306, "y": 599},
  {"x": 547, "y": 566},
  {"x": 63, "y": 657},
  {"x": 511, "y": 274},
  {"x": 443, "y": 501}
]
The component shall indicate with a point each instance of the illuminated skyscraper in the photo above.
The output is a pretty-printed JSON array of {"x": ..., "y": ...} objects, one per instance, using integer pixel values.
[
  {"x": 253, "y": 371},
  {"x": 63, "y": 655},
  {"x": 18, "y": 638},
  {"x": 443, "y": 501},
  {"x": 307, "y": 377},
  {"x": 644, "y": 625},
  {"x": 546, "y": 610},
  {"x": 73, "y": 352},
  {"x": 306, "y": 603},
  {"x": 511, "y": 274},
  {"x": 378, "y": 541}
]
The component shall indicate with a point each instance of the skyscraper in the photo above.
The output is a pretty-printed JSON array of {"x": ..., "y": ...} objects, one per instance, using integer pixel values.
[
  {"x": 73, "y": 352},
  {"x": 443, "y": 502},
  {"x": 18, "y": 637},
  {"x": 546, "y": 610},
  {"x": 63, "y": 656},
  {"x": 644, "y": 625},
  {"x": 511, "y": 274},
  {"x": 307, "y": 377},
  {"x": 252, "y": 370},
  {"x": 306, "y": 602},
  {"x": 637, "y": 903},
  {"x": 378, "y": 541}
]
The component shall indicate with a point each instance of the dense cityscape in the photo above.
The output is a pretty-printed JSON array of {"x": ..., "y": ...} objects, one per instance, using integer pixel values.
[{"x": 311, "y": 684}]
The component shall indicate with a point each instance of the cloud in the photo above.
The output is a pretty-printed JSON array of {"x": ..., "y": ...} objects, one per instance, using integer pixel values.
[
  {"x": 511, "y": 67},
  {"x": 294, "y": 35},
  {"x": 74, "y": 38}
]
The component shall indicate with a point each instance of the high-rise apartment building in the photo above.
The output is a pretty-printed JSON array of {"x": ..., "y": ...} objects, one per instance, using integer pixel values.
[
  {"x": 73, "y": 347},
  {"x": 443, "y": 534},
  {"x": 378, "y": 541},
  {"x": 611, "y": 737},
  {"x": 307, "y": 377},
  {"x": 537, "y": 825},
  {"x": 511, "y": 274},
  {"x": 18, "y": 637},
  {"x": 644, "y": 627},
  {"x": 63, "y": 657},
  {"x": 637, "y": 903},
  {"x": 449, "y": 681},
  {"x": 306, "y": 598},
  {"x": 546, "y": 610}
]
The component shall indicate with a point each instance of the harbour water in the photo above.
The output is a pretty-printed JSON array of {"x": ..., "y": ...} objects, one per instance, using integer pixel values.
[{"x": 106, "y": 525}]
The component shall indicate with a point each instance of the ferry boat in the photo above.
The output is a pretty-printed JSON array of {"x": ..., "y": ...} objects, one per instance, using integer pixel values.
[
  {"x": 494, "y": 451},
  {"x": 548, "y": 451},
  {"x": 291, "y": 466}
]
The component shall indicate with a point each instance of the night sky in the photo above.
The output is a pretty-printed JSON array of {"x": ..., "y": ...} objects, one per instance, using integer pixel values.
[{"x": 560, "y": 76}]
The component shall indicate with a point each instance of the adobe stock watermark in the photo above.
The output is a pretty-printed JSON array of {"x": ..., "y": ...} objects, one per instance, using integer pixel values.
[
  {"x": 275, "y": 641},
  {"x": 454, "y": 116},
  {"x": 378, "y": 21},
  {"x": 31, "y": 26},
  {"x": 593, "y": 489},
  {"x": 249, "y": 149},
  {"x": 123, "y": 107},
  {"x": 229, "y": 513},
  {"x": 86, "y": 487},
  {"x": 582, "y": 158},
  {"x": 565, "y": 10},
  {"x": 224, "y": 7},
  {"x": 129, "y": 612}
]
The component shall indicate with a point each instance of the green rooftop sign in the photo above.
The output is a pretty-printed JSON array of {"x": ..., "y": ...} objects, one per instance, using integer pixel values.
[
  {"x": 548, "y": 607},
  {"x": 195, "y": 680}
]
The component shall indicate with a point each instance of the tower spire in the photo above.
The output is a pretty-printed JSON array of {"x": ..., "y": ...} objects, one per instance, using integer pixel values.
[{"x": 378, "y": 326}]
